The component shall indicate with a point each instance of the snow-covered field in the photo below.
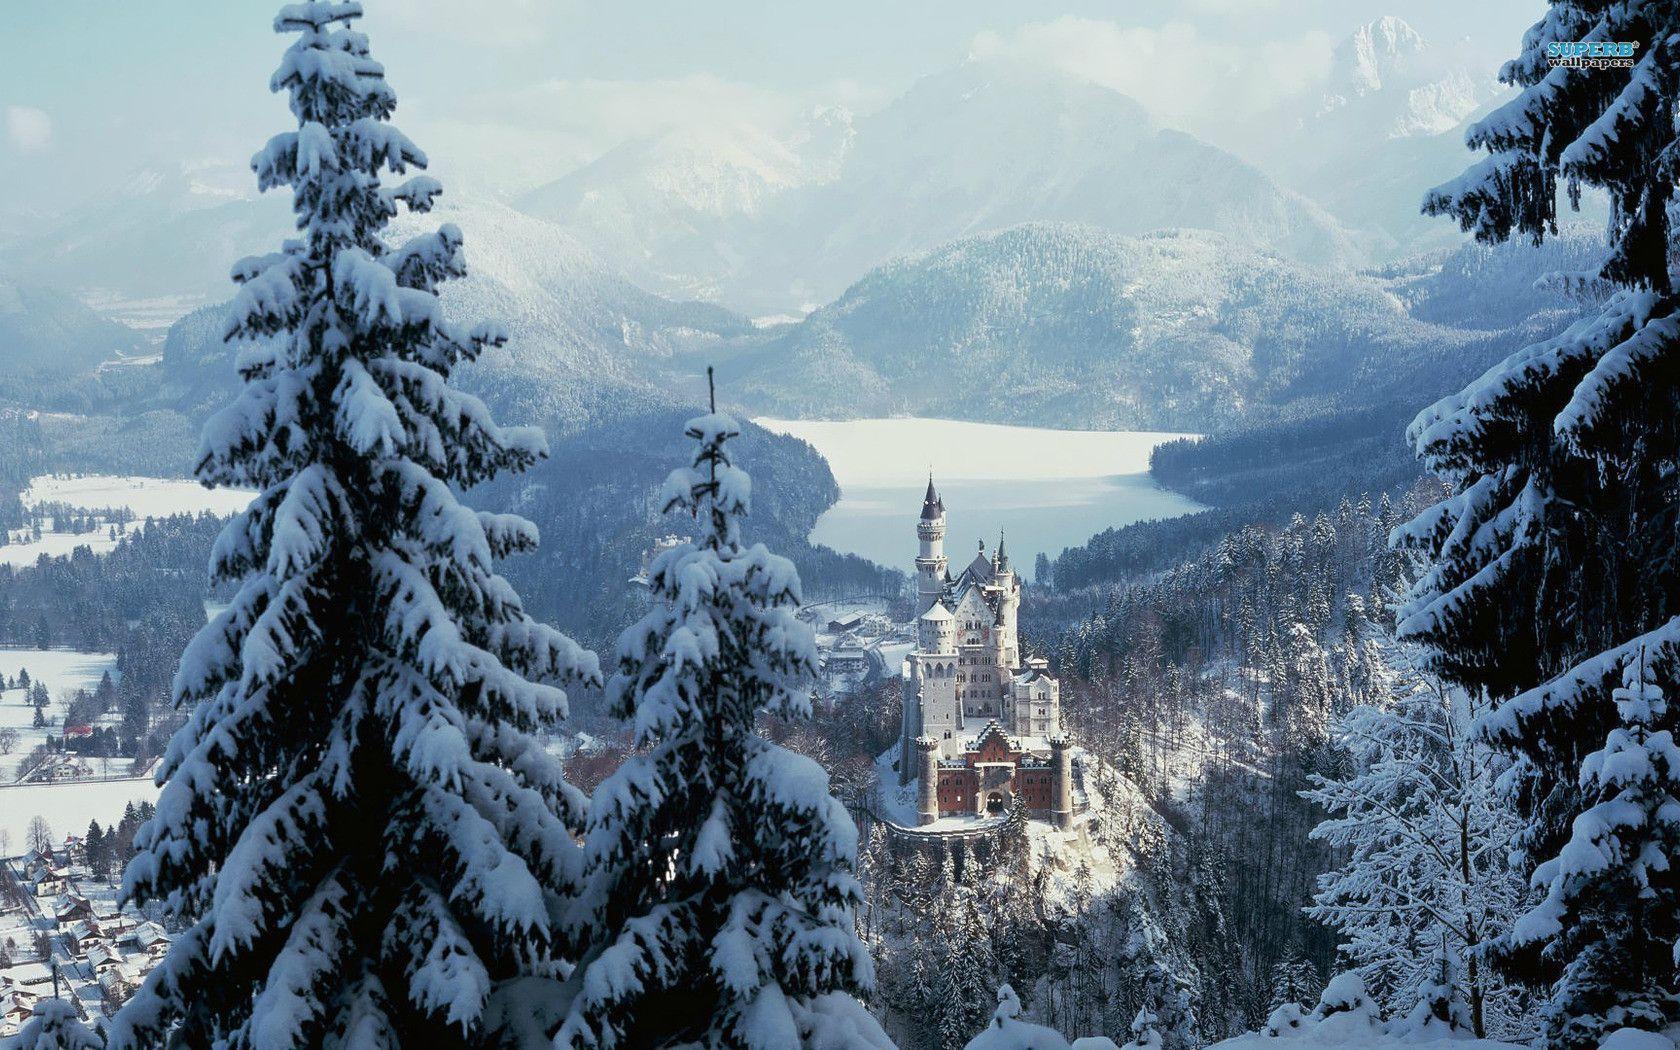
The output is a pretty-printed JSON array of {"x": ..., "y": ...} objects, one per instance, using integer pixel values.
[
  {"x": 63, "y": 671},
  {"x": 1046, "y": 489},
  {"x": 68, "y": 806},
  {"x": 141, "y": 496},
  {"x": 54, "y": 545},
  {"x": 144, "y": 497}
]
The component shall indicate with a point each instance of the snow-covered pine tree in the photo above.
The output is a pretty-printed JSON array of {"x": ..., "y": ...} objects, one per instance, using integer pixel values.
[
  {"x": 1553, "y": 559},
  {"x": 721, "y": 867},
  {"x": 1611, "y": 915},
  {"x": 364, "y": 837},
  {"x": 1425, "y": 835},
  {"x": 1294, "y": 980},
  {"x": 53, "y": 1025},
  {"x": 1144, "y": 1035},
  {"x": 1440, "y": 1011}
]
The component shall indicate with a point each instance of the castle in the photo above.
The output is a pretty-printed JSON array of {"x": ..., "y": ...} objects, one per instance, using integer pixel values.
[{"x": 981, "y": 726}]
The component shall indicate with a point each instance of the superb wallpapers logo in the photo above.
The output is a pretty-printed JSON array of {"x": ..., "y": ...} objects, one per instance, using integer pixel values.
[{"x": 1592, "y": 54}]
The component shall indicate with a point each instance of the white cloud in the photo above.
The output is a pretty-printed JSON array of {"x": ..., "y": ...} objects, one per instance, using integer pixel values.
[
  {"x": 617, "y": 110},
  {"x": 504, "y": 24},
  {"x": 29, "y": 129},
  {"x": 540, "y": 132},
  {"x": 1182, "y": 75},
  {"x": 1234, "y": 7}
]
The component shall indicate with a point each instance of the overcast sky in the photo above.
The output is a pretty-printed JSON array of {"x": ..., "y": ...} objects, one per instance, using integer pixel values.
[{"x": 510, "y": 93}]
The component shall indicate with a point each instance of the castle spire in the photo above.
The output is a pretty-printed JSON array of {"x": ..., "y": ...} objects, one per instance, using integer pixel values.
[{"x": 932, "y": 505}]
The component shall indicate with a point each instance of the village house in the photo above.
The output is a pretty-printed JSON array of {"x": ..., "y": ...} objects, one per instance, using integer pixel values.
[
  {"x": 16, "y": 1007},
  {"x": 70, "y": 907},
  {"x": 82, "y": 933}
]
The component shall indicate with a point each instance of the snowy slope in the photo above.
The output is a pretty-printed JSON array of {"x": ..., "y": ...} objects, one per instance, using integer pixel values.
[
  {"x": 580, "y": 334},
  {"x": 168, "y": 237},
  {"x": 1072, "y": 326},
  {"x": 677, "y": 206},
  {"x": 769, "y": 226},
  {"x": 47, "y": 334}
]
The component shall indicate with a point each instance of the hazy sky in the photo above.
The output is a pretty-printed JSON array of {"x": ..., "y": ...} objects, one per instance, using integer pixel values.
[{"x": 513, "y": 92}]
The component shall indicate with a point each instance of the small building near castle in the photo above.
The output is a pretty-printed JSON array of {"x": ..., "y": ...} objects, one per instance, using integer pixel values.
[{"x": 982, "y": 726}]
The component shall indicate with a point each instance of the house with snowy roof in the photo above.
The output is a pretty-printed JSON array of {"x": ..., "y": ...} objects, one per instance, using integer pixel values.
[
  {"x": 16, "y": 1008},
  {"x": 982, "y": 724},
  {"x": 29, "y": 977},
  {"x": 71, "y": 907},
  {"x": 148, "y": 937},
  {"x": 82, "y": 933}
]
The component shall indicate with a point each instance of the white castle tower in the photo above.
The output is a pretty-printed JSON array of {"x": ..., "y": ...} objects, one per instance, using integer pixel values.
[
  {"x": 930, "y": 560},
  {"x": 979, "y": 719}
]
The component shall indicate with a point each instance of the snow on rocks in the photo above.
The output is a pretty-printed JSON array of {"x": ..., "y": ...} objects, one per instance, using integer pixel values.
[
  {"x": 1347, "y": 1019},
  {"x": 1008, "y": 1032}
]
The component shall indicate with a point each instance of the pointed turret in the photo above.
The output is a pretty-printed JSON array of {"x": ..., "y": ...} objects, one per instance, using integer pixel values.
[
  {"x": 1002, "y": 558},
  {"x": 932, "y": 506},
  {"x": 930, "y": 562}
]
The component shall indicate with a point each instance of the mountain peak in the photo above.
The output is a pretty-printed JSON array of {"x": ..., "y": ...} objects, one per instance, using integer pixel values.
[
  {"x": 1384, "y": 75},
  {"x": 1376, "y": 53}
]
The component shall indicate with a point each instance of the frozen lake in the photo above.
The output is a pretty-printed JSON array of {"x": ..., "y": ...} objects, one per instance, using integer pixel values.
[{"x": 1046, "y": 489}]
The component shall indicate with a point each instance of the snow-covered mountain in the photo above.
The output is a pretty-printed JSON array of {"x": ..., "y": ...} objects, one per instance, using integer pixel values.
[
  {"x": 1388, "y": 124},
  {"x": 676, "y": 207},
  {"x": 1386, "y": 69},
  {"x": 769, "y": 227},
  {"x": 1063, "y": 325},
  {"x": 583, "y": 341},
  {"x": 167, "y": 235}
]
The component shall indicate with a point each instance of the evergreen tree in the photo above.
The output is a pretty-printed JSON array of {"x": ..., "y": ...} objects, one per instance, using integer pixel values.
[
  {"x": 721, "y": 865},
  {"x": 1611, "y": 915},
  {"x": 364, "y": 839},
  {"x": 1294, "y": 980},
  {"x": 1425, "y": 836},
  {"x": 54, "y": 1026},
  {"x": 93, "y": 844},
  {"x": 1144, "y": 1035},
  {"x": 1553, "y": 558},
  {"x": 1441, "y": 1011}
]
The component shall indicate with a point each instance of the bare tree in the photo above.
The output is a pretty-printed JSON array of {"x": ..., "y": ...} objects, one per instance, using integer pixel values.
[
  {"x": 40, "y": 834},
  {"x": 8, "y": 740}
]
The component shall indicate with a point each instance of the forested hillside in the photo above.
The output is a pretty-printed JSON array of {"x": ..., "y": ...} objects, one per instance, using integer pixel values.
[{"x": 1059, "y": 325}]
